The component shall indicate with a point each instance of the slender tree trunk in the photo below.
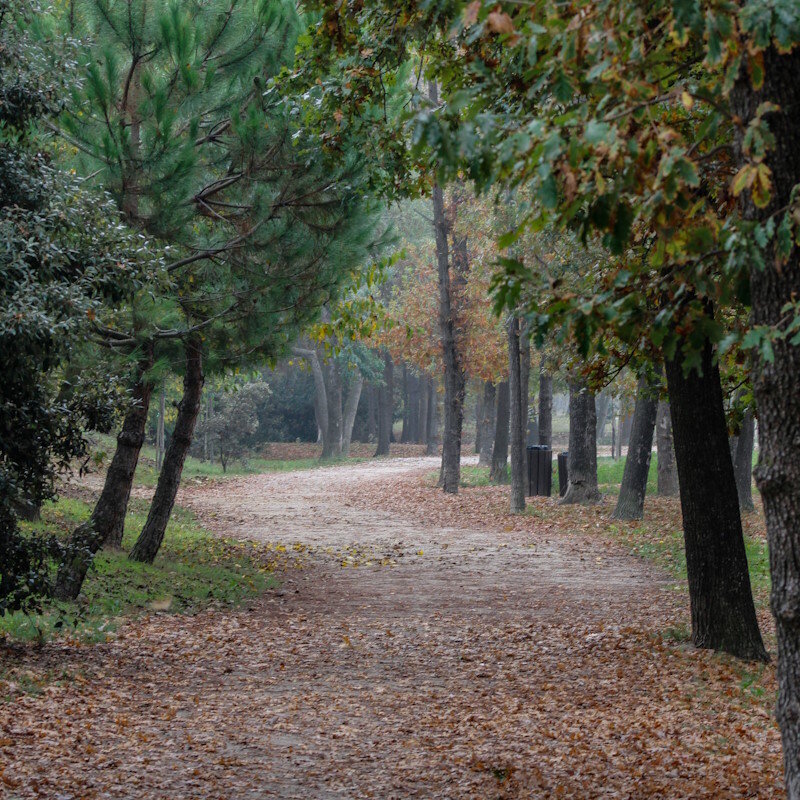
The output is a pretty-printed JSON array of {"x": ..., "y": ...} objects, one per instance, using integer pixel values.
[
  {"x": 433, "y": 420},
  {"x": 162, "y": 408},
  {"x": 385, "y": 406},
  {"x": 603, "y": 405},
  {"x": 525, "y": 376},
  {"x": 425, "y": 398},
  {"x": 723, "y": 614},
  {"x": 453, "y": 370},
  {"x": 479, "y": 415},
  {"x": 625, "y": 426},
  {"x": 320, "y": 392},
  {"x": 332, "y": 442},
  {"x": 498, "y": 472},
  {"x": 630, "y": 504},
  {"x": 545, "y": 407},
  {"x": 776, "y": 383},
  {"x": 107, "y": 521},
  {"x": 516, "y": 420},
  {"x": 743, "y": 461},
  {"x": 582, "y": 463},
  {"x": 667, "y": 471},
  {"x": 372, "y": 413},
  {"x": 413, "y": 407},
  {"x": 350, "y": 411},
  {"x": 404, "y": 430},
  {"x": 149, "y": 541},
  {"x": 487, "y": 438}
]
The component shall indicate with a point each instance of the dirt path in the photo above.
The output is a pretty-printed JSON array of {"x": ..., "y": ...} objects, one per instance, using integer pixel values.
[{"x": 403, "y": 660}]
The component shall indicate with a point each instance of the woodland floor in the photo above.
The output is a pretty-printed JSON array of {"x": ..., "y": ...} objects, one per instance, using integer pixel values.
[{"x": 419, "y": 646}]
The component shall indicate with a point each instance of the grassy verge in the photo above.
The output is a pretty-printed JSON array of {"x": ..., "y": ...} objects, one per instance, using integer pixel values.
[{"x": 194, "y": 569}]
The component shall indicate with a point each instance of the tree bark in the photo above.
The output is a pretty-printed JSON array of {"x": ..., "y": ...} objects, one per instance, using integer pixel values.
[
  {"x": 582, "y": 462},
  {"x": 545, "y": 407},
  {"x": 498, "y": 472},
  {"x": 453, "y": 369},
  {"x": 162, "y": 408},
  {"x": 107, "y": 522},
  {"x": 776, "y": 383},
  {"x": 433, "y": 419},
  {"x": 350, "y": 411},
  {"x": 385, "y": 409},
  {"x": 149, "y": 541},
  {"x": 743, "y": 461},
  {"x": 372, "y": 413},
  {"x": 667, "y": 472},
  {"x": 630, "y": 503},
  {"x": 487, "y": 437},
  {"x": 424, "y": 399},
  {"x": 516, "y": 420},
  {"x": 525, "y": 377},
  {"x": 332, "y": 438},
  {"x": 405, "y": 429},
  {"x": 723, "y": 614}
]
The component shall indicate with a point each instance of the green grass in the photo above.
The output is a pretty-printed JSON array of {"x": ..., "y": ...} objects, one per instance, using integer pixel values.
[
  {"x": 609, "y": 474},
  {"x": 193, "y": 570},
  {"x": 193, "y": 468}
]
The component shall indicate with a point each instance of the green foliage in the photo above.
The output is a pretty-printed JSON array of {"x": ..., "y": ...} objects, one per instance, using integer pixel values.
[
  {"x": 64, "y": 260},
  {"x": 194, "y": 570}
]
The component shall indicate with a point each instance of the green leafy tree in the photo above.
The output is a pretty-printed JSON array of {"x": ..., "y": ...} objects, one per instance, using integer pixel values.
[{"x": 63, "y": 260}]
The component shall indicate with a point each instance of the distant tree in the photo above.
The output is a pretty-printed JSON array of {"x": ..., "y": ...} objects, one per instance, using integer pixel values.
[{"x": 234, "y": 420}]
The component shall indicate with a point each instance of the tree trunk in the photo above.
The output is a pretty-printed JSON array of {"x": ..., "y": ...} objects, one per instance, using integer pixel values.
[
  {"x": 107, "y": 522},
  {"x": 413, "y": 407},
  {"x": 372, "y": 413},
  {"x": 630, "y": 504},
  {"x": 743, "y": 461},
  {"x": 149, "y": 541},
  {"x": 162, "y": 408},
  {"x": 603, "y": 406},
  {"x": 723, "y": 614},
  {"x": 625, "y": 425},
  {"x": 332, "y": 438},
  {"x": 525, "y": 377},
  {"x": 453, "y": 369},
  {"x": 516, "y": 420},
  {"x": 433, "y": 419},
  {"x": 350, "y": 411},
  {"x": 776, "y": 383},
  {"x": 385, "y": 409},
  {"x": 499, "y": 471},
  {"x": 667, "y": 472},
  {"x": 582, "y": 462},
  {"x": 405, "y": 429},
  {"x": 545, "y": 407},
  {"x": 487, "y": 438},
  {"x": 479, "y": 415},
  {"x": 424, "y": 399}
]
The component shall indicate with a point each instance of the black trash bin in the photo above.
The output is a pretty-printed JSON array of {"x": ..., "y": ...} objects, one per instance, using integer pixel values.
[
  {"x": 540, "y": 470},
  {"x": 563, "y": 473}
]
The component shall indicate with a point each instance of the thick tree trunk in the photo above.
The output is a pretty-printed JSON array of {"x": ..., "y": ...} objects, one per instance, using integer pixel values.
[
  {"x": 453, "y": 369},
  {"x": 149, "y": 541},
  {"x": 545, "y": 407},
  {"x": 776, "y": 383},
  {"x": 350, "y": 411},
  {"x": 516, "y": 420},
  {"x": 332, "y": 438},
  {"x": 582, "y": 463},
  {"x": 743, "y": 461},
  {"x": 667, "y": 471},
  {"x": 630, "y": 504},
  {"x": 498, "y": 472},
  {"x": 385, "y": 407},
  {"x": 107, "y": 522},
  {"x": 723, "y": 614},
  {"x": 487, "y": 437}
]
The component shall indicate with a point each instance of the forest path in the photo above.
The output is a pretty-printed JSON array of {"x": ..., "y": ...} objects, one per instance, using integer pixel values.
[{"x": 400, "y": 658}]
